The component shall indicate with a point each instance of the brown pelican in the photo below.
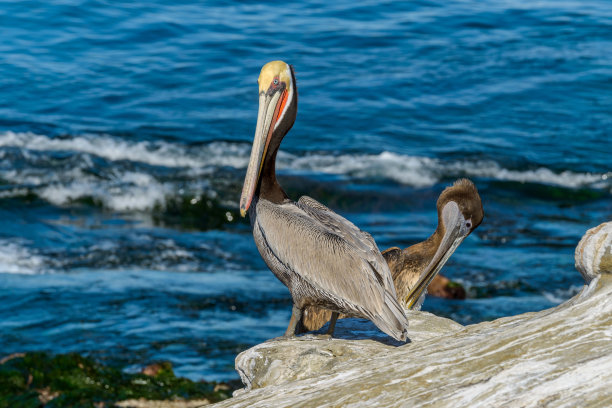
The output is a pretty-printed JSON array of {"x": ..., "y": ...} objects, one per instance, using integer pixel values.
[
  {"x": 322, "y": 258},
  {"x": 459, "y": 213}
]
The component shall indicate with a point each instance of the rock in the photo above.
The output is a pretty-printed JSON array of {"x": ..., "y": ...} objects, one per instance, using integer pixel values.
[
  {"x": 145, "y": 403},
  {"x": 594, "y": 252},
  {"x": 282, "y": 360},
  {"x": 10, "y": 357},
  {"x": 560, "y": 357},
  {"x": 155, "y": 369},
  {"x": 443, "y": 287},
  {"x": 45, "y": 395}
]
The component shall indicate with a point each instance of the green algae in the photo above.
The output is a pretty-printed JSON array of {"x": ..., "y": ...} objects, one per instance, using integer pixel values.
[
  {"x": 76, "y": 381},
  {"x": 195, "y": 212}
]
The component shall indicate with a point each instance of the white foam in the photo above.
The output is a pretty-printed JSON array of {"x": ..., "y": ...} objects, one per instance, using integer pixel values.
[
  {"x": 153, "y": 153},
  {"x": 490, "y": 169},
  {"x": 139, "y": 189},
  {"x": 164, "y": 255},
  {"x": 424, "y": 171},
  {"x": 410, "y": 170},
  {"x": 15, "y": 257},
  {"x": 126, "y": 191},
  {"x": 561, "y": 295},
  {"x": 130, "y": 191}
]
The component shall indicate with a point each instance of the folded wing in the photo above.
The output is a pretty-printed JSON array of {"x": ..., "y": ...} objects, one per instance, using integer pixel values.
[{"x": 335, "y": 259}]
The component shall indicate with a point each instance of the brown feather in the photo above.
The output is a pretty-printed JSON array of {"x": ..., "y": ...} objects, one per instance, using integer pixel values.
[{"x": 407, "y": 265}]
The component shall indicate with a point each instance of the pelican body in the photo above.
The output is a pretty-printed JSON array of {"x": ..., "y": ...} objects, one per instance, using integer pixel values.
[
  {"x": 324, "y": 260},
  {"x": 459, "y": 213}
]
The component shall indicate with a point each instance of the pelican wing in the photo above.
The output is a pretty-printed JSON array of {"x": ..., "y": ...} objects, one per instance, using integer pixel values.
[
  {"x": 393, "y": 256},
  {"x": 300, "y": 245},
  {"x": 361, "y": 240}
]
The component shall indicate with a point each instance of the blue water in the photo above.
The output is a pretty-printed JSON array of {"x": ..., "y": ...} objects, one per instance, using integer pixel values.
[{"x": 125, "y": 131}]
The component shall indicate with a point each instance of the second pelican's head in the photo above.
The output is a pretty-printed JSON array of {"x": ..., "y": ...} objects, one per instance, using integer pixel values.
[
  {"x": 459, "y": 213},
  {"x": 277, "y": 111}
]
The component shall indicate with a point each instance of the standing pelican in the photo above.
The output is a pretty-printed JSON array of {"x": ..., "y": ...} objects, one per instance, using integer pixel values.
[
  {"x": 322, "y": 258},
  {"x": 459, "y": 213}
]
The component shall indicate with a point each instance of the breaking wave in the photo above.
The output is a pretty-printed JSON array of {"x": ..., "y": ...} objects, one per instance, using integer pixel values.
[
  {"x": 562, "y": 294},
  {"x": 16, "y": 257},
  {"x": 138, "y": 252},
  {"x": 152, "y": 153},
  {"x": 137, "y": 176},
  {"x": 424, "y": 171}
]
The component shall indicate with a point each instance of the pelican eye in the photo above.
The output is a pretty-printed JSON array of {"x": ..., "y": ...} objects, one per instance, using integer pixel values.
[
  {"x": 275, "y": 81},
  {"x": 468, "y": 224}
]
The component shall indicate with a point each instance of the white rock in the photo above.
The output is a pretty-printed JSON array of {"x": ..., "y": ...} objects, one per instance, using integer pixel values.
[
  {"x": 594, "y": 252},
  {"x": 560, "y": 357}
]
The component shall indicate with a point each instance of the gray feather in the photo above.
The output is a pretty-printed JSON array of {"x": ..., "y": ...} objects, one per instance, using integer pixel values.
[
  {"x": 326, "y": 260},
  {"x": 362, "y": 240}
]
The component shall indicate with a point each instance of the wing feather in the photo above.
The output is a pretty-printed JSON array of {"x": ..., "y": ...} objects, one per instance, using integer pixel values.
[
  {"x": 361, "y": 240},
  {"x": 321, "y": 256}
]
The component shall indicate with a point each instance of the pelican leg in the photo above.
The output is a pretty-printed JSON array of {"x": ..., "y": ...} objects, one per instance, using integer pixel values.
[
  {"x": 296, "y": 315},
  {"x": 332, "y": 323}
]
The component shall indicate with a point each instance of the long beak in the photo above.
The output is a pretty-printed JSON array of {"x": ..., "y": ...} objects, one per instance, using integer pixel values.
[
  {"x": 454, "y": 235},
  {"x": 266, "y": 120}
]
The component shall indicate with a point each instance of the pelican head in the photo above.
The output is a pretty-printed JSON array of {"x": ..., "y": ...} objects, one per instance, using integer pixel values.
[
  {"x": 277, "y": 111},
  {"x": 459, "y": 213}
]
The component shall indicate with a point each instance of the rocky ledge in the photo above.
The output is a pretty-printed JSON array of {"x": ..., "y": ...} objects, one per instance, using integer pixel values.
[{"x": 560, "y": 357}]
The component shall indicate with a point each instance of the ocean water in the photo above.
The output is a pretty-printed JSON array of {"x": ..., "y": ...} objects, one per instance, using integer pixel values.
[{"x": 125, "y": 130}]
